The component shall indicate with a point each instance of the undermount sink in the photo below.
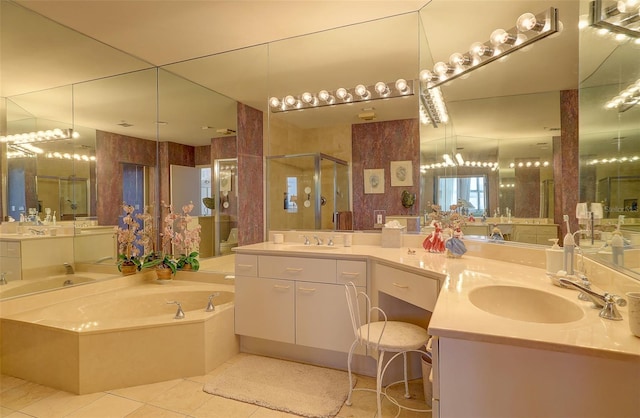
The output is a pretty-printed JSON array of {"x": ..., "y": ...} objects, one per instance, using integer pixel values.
[
  {"x": 310, "y": 247},
  {"x": 525, "y": 304}
]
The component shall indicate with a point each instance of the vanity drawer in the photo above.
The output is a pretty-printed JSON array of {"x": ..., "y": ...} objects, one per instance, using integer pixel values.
[
  {"x": 413, "y": 288},
  {"x": 9, "y": 249},
  {"x": 352, "y": 271},
  {"x": 297, "y": 268},
  {"x": 246, "y": 265}
]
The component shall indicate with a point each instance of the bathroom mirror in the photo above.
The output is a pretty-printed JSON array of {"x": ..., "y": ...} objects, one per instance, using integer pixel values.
[
  {"x": 610, "y": 145},
  {"x": 267, "y": 70}
]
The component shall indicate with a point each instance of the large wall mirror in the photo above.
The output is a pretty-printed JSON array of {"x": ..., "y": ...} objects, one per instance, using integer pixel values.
[
  {"x": 609, "y": 145},
  {"x": 506, "y": 113}
]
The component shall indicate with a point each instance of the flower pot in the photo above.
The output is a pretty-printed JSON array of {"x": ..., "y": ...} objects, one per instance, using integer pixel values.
[
  {"x": 163, "y": 273},
  {"x": 128, "y": 269},
  {"x": 187, "y": 266}
]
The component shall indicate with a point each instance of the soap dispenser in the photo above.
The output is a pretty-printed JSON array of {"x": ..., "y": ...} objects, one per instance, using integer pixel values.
[
  {"x": 617, "y": 244},
  {"x": 568, "y": 245},
  {"x": 555, "y": 257}
]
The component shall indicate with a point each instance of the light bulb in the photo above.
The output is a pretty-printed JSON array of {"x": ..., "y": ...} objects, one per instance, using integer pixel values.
[
  {"x": 402, "y": 86},
  {"x": 290, "y": 100},
  {"x": 382, "y": 89},
  {"x": 502, "y": 37},
  {"x": 362, "y": 91},
  {"x": 427, "y": 76},
  {"x": 307, "y": 97},
  {"x": 75, "y": 135},
  {"x": 460, "y": 60},
  {"x": 274, "y": 102},
  {"x": 527, "y": 22},
  {"x": 344, "y": 95},
  {"x": 627, "y": 6},
  {"x": 442, "y": 69},
  {"x": 480, "y": 50}
]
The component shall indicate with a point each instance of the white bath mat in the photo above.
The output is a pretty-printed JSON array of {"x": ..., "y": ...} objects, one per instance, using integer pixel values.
[{"x": 286, "y": 386}]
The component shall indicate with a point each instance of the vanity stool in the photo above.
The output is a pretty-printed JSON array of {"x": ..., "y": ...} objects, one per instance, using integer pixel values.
[{"x": 380, "y": 337}]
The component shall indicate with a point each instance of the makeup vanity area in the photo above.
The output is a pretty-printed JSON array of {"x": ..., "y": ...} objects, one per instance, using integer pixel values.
[{"x": 290, "y": 303}]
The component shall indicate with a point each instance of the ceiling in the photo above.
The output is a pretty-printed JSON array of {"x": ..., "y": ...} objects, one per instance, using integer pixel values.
[{"x": 196, "y": 41}]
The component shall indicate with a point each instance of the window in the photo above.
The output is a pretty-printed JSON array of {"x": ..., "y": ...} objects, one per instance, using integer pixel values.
[{"x": 466, "y": 192}]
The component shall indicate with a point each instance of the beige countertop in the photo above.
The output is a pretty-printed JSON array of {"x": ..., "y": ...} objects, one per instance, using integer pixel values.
[{"x": 456, "y": 317}]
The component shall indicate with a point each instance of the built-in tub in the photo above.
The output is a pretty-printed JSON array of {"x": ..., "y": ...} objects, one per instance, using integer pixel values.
[
  {"x": 121, "y": 338},
  {"x": 24, "y": 287}
]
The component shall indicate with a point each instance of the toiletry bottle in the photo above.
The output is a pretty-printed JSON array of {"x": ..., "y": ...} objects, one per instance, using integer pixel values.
[
  {"x": 286, "y": 201},
  {"x": 568, "y": 245},
  {"x": 617, "y": 244},
  {"x": 54, "y": 218},
  {"x": 555, "y": 257},
  {"x": 617, "y": 248}
]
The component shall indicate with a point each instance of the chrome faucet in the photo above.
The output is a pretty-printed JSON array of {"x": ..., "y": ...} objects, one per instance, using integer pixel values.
[
  {"x": 606, "y": 302},
  {"x": 180, "y": 312},
  {"x": 210, "y": 306},
  {"x": 306, "y": 240},
  {"x": 69, "y": 268},
  {"x": 3, "y": 278},
  {"x": 318, "y": 240},
  {"x": 330, "y": 242}
]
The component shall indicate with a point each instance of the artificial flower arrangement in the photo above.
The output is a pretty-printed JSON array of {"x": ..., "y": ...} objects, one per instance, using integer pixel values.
[
  {"x": 128, "y": 252},
  {"x": 177, "y": 236},
  {"x": 186, "y": 241}
]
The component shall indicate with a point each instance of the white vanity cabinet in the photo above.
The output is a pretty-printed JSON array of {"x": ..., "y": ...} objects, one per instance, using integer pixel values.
[
  {"x": 482, "y": 379},
  {"x": 297, "y": 300},
  {"x": 10, "y": 262}
]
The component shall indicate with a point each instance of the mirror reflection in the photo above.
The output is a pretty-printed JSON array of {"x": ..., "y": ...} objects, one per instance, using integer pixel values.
[{"x": 138, "y": 121}]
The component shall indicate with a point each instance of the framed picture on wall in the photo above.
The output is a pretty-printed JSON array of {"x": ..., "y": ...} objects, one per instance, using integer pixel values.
[
  {"x": 401, "y": 173},
  {"x": 374, "y": 181}
]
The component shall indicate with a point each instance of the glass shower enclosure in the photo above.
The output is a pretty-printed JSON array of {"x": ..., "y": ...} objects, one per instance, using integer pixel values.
[{"x": 304, "y": 191}]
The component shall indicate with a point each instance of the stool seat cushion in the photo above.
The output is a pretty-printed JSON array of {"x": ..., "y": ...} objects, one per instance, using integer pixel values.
[{"x": 397, "y": 336}]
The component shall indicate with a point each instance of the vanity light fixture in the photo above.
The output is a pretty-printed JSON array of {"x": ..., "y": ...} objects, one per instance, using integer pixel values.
[
  {"x": 529, "y": 164},
  {"x": 626, "y": 99},
  {"x": 40, "y": 136},
  {"x": 621, "y": 17},
  {"x": 342, "y": 95},
  {"x": 432, "y": 107},
  {"x": 619, "y": 160},
  {"x": 459, "y": 162},
  {"x": 529, "y": 28}
]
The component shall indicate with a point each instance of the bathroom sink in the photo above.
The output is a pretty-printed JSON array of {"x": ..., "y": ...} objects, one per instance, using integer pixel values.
[
  {"x": 310, "y": 247},
  {"x": 525, "y": 304}
]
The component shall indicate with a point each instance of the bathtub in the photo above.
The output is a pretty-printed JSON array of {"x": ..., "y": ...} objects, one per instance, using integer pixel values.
[
  {"x": 24, "y": 287},
  {"x": 121, "y": 338}
]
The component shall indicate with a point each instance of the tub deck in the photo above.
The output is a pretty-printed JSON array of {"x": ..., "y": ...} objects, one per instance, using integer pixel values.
[{"x": 122, "y": 336}]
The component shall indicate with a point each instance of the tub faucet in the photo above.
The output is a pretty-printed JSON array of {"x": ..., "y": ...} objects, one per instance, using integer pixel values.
[
  {"x": 318, "y": 240},
  {"x": 180, "y": 312},
  {"x": 69, "y": 268},
  {"x": 210, "y": 306},
  {"x": 3, "y": 278},
  {"x": 607, "y": 302}
]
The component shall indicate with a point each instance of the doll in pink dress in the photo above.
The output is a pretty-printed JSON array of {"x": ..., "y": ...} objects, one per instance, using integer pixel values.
[{"x": 434, "y": 243}]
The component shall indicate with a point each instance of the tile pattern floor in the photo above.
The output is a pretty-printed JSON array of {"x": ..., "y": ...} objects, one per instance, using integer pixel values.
[{"x": 174, "y": 399}]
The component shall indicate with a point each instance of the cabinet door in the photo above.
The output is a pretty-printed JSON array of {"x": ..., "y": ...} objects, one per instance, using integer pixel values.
[
  {"x": 264, "y": 308},
  {"x": 322, "y": 317}
]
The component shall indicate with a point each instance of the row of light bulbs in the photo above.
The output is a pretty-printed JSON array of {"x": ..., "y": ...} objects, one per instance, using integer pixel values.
[
  {"x": 381, "y": 90},
  {"x": 619, "y": 20},
  {"x": 507, "y": 185},
  {"x": 500, "y": 43},
  {"x": 40, "y": 136},
  {"x": 529, "y": 164},
  {"x": 633, "y": 159},
  {"x": 627, "y": 98}
]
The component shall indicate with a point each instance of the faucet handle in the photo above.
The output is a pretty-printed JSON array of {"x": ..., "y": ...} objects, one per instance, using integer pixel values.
[
  {"x": 180, "y": 312},
  {"x": 210, "y": 306},
  {"x": 330, "y": 242},
  {"x": 610, "y": 311}
]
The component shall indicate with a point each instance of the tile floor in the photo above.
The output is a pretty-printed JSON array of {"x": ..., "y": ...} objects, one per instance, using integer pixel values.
[{"x": 174, "y": 398}]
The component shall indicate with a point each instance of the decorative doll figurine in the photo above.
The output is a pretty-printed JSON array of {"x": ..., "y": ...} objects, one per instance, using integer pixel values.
[
  {"x": 434, "y": 243},
  {"x": 455, "y": 246},
  {"x": 496, "y": 234}
]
